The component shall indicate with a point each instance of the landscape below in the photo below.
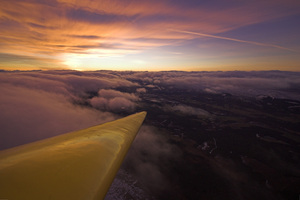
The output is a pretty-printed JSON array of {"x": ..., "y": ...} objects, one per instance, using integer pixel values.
[{"x": 207, "y": 135}]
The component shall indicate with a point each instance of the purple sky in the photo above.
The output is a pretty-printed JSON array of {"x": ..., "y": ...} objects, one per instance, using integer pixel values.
[{"x": 150, "y": 35}]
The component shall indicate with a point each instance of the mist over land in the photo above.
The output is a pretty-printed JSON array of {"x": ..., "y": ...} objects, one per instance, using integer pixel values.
[{"x": 207, "y": 135}]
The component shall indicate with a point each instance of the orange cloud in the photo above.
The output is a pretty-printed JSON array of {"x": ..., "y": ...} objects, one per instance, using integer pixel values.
[{"x": 57, "y": 28}]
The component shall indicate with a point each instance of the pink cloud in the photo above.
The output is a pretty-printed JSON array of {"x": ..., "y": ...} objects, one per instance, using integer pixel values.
[
  {"x": 120, "y": 104},
  {"x": 37, "y": 105},
  {"x": 113, "y": 93},
  {"x": 141, "y": 90},
  {"x": 99, "y": 102},
  {"x": 28, "y": 115},
  {"x": 64, "y": 83},
  {"x": 115, "y": 101}
]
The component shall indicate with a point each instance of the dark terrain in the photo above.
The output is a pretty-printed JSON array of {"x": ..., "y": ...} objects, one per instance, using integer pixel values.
[{"x": 239, "y": 148}]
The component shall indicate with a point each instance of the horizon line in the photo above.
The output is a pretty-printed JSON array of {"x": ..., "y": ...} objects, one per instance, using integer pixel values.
[{"x": 236, "y": 70}]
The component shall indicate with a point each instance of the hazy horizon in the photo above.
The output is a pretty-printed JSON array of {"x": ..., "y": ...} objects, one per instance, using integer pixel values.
[{"x": 128, "y": 70}]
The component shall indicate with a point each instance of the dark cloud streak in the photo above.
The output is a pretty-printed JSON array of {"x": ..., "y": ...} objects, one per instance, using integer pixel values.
[{"x": 95, "y": 17}]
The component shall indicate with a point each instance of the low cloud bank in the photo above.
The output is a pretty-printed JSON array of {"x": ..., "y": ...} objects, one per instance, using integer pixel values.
[
  {"x": 28, "y": 115},
  {"x": 112, "y": 100},
  {"x": 39, "y": 104},
  {"x": 278, "y": 84},
  {"x": 36, "y": 105},
  {"x": 65, "y": 82}
]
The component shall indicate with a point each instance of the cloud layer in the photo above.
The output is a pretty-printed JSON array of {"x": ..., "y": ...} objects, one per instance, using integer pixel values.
[
  {"x": 35, "y": 105},
  {"x": 39, "y": 104},
  {"x": 112, "y": 100},
  {"x": 28, "y": 115},
  {"x": 273, "y": 83}
]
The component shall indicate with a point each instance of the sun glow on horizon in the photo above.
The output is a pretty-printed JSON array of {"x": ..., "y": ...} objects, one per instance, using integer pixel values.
[{"x": 150, "y": 36}]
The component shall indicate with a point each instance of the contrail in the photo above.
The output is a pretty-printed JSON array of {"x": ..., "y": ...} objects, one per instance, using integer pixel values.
[{"x": 233, "y": 39}]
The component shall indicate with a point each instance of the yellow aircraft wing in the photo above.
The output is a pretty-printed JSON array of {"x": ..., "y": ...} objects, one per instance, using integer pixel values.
[{"x": 77, "y": 165}]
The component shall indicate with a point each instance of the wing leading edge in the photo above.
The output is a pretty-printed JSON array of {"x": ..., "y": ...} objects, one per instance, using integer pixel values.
[{"x": 76, "y": 165}]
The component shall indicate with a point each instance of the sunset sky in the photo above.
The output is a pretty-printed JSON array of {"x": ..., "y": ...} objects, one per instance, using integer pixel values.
[{"x": 150, "y": 35}]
